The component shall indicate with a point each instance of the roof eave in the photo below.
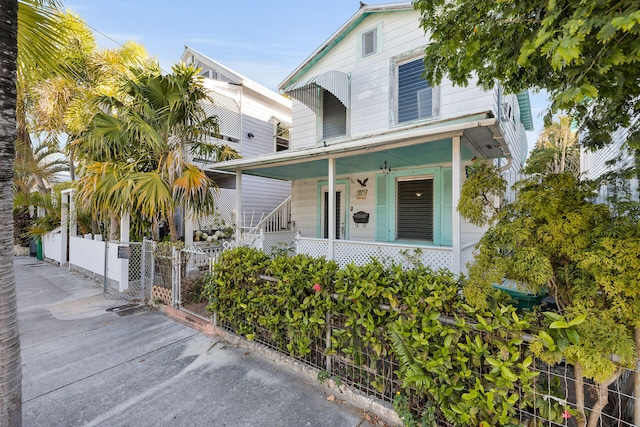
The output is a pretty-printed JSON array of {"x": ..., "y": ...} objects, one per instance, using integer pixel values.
[
  {"x": 336, "y": 37},
  {"x": 242, "y": 80}
]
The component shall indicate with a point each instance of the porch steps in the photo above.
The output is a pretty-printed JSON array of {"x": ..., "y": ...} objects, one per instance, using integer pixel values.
[{"x": 278, "y": 220}]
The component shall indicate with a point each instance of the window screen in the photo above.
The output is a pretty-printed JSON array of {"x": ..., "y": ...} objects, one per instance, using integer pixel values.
[
  {"x": 369, "y": 42},
  {"x": 415, "y": 210},
  {"x": 415, "y": 100}
]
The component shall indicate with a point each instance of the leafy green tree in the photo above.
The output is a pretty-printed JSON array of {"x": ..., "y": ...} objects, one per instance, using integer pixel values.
[
  {"x": 553, "y": 237},
  {"x": 137, "y": 147},
  {"x": 585, "y": 54}
]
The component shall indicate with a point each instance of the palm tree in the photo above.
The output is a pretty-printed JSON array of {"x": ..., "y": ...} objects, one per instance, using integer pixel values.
[
  {"x": 557, "y": 149},
  {"x": 10, "y": 362},
  {"x": 36, "y": 167},
  {"x": 25, "y": 29},
  {"x": 61, "y": 103},
  {"x": 139, "y": 147}
]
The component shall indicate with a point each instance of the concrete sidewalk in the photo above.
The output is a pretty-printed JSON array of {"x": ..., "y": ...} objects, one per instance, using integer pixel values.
[{"x": 85, "y": 366}]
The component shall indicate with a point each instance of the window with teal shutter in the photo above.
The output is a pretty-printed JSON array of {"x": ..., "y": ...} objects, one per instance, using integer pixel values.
[
  {"x": 415, "y": 210},
  {"x": 382, "y": 215}
]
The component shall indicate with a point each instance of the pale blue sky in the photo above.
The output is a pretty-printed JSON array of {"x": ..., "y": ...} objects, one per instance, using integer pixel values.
[{"x": 263, "y": 40}]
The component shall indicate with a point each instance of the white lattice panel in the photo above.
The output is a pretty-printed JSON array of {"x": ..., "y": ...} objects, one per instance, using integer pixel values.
[
  {"x": 314, "y": 247},
  {"x": 225, "y": 211},
  {"x": 361, "y": 253},
  {"x": 284, "y": 239}
]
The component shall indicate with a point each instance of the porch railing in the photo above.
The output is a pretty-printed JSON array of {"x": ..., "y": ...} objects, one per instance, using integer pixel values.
[
  {"x": 278, "y": 220},
  {"x": 360, "y": 253}
]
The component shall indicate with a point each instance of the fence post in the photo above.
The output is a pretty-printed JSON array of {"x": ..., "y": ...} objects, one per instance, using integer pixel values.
[
  {"x": 143, "y": 270},
  {"x": 174, "y": 279},
  {"x": 106, "y": 266},
  {"x": 327, "y": 344}
]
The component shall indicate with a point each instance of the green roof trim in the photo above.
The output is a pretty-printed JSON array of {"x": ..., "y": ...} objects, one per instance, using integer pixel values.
[
  {"x": 337, "y": 38},
  {"x": 525, "y": 110},
  {"x": 326, "y": 50}
]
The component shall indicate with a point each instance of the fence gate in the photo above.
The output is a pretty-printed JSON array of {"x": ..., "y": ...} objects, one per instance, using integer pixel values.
[
  {"x": 193, "y": 265},
  {"x": 126, "y": 269}
]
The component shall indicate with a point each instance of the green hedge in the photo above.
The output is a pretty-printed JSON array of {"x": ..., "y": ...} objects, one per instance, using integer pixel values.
[{"x": 465, "y": 362}]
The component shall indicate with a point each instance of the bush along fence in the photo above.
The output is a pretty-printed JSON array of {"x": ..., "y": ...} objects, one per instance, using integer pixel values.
[{"x": 406, "y": 336}]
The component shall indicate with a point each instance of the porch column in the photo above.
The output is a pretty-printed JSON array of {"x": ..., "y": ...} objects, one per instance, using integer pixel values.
[
  {"x": 456, "y": 184},
  {"x": 239, "y": 218},
  {"x": 332, "y": 207},
  {"x": 64, "y": 227},
  {"x": 73, "y": 214}
]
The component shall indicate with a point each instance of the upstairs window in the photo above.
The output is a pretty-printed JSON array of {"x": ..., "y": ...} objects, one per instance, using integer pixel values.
[
  {"x": 412, "y": 98},
  {"x": 415, "y": 95},
  {"x": 334, "y": 116},
  {"x": 282, "y": 136}
]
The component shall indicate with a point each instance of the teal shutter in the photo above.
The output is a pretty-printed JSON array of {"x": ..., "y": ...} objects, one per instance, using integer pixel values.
[
  {"x": 447, "y": 208},
  {"x": 382, "y": 212}
]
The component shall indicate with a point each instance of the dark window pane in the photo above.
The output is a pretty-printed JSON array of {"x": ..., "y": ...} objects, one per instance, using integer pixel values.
[
  {"x": 415, "y": 210},
  {"x": 334, "y": 116}
]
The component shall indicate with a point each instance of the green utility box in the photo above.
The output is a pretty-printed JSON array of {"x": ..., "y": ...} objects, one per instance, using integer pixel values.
[
  {"x": 39, "y": 248},
  {"x": 525, "y": 300}
]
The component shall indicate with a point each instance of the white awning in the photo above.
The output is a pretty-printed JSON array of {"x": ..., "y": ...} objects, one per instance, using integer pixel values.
[{"x": 309, "y": 92}]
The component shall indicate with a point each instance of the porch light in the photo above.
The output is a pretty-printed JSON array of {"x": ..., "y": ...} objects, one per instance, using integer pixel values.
[{"x": 384, "y": 168}]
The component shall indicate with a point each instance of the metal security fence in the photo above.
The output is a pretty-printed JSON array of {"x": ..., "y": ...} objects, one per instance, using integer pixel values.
[
  {"x": 125, "y": 270},
  {"x": 374, "y": 373},
  {"x": 194, "y": 264}
]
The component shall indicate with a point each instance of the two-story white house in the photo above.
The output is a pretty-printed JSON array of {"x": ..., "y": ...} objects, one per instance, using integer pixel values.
[
  {"x": 377, "y": 155},
  {"x": 255, "y": 121}
]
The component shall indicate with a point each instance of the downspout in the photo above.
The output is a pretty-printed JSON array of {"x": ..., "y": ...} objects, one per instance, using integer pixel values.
[
  {"x": 507, "y": 166},
  {"x": 507, "y": 154}
]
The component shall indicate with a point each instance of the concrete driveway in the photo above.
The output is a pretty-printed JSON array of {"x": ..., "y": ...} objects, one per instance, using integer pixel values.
[{"x": 85, "y": 366}]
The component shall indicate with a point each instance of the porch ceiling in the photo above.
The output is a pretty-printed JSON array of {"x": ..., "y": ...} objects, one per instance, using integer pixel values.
[
  {"x": 413, "y": 146},
  {"x": 397, "y": 158}
]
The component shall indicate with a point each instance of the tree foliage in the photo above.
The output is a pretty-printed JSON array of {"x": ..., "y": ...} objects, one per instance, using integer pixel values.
[
  {"x": 481, "y": 192},
  {"x": 556, "y": 149},
  {"x": 555, "y": 237},
  {"x": 137, "y": 144},
  {"x": 585, "y": 54}
]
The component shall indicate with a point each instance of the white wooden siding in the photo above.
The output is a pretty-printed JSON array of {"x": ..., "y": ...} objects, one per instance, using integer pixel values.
[
  {"x": 370, "y": 86},
  {"x": 260, "y": 196}
]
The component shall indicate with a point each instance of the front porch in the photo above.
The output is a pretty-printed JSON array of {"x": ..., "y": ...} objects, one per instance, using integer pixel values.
[{"x": 386, "y": 196}]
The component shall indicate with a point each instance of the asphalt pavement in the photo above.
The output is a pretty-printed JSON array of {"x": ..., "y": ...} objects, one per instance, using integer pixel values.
[{"x": 85, "y": 364}]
